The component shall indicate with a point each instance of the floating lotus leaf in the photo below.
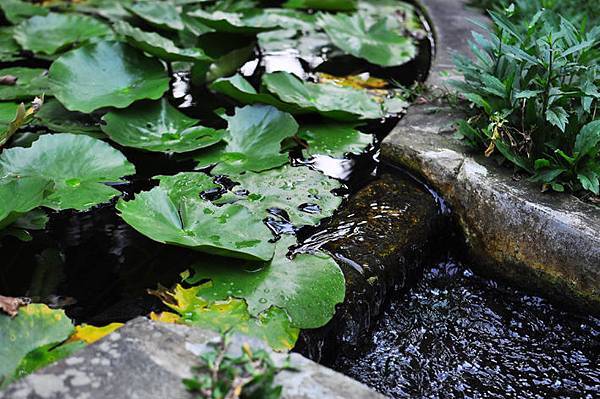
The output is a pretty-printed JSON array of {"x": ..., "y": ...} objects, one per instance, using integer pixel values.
[
  {"x": 31, "y": 82},
  {"x": 158, "y": 126},
  {"x": 252, "y": 20},
  {"x": 54, "y": 32},
  {"x": 334, "y": 101},
  {"x": 238, "y": 88},
  {"x": 174, "y": 213},
  {"x": 225, "y": 65},
  {"x": 19, "y": 196},
  {"x": 77, "y": 167},
  {"x": 9, "y": 48},
  {"x": 374, "y": 43},
  {"x": 106, "y": 74},
  {"x": 304, "y": 194},
  {"x": 399, "y": 15},
  {"x": 330, "y": 5},
  {"x": 34, "y": 326},
  {"x": 160, "y": 14},
  {"x": 56, "y": 117},
  {"x": 231, "y": 315},
  {"x": 16, "y": 11},
  {"x": 334, "y": 140},
  {"x": 157, "y": 45},
  {"x": 46, "y": 355},
  {"x": 307, "y": 286},
  {"x": 253, "y": 141}
]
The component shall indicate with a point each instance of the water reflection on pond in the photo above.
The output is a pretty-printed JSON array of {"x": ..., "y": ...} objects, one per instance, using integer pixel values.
[{"x": 456, "y": 335}]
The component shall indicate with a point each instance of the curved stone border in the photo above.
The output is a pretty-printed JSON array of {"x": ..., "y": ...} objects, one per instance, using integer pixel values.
[{"x": 546, "y": 242}]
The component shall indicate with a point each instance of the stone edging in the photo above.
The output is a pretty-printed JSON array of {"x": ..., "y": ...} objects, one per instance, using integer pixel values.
[
  {"x": 546, "y": 242},
  {"x": 147, "y": 360}
]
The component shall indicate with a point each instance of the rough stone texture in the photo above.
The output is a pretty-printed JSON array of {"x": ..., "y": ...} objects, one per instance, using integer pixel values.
[
  {"x": 384, "y": 231},
  {"x": 547, "y": 243},
  {"x": 148, "y": 360}
]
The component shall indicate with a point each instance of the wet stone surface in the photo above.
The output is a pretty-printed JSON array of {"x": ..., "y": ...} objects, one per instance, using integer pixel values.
[
  {"x": 387, "y": 230},
  {"x": 457, "y": 335}
]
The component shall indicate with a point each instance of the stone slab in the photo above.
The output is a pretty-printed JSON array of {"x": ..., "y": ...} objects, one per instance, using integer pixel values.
[{"x": 148, "y": 360}]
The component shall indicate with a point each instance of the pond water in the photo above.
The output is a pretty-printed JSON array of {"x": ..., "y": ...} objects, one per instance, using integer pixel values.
[{"x": 456, "y": 335}]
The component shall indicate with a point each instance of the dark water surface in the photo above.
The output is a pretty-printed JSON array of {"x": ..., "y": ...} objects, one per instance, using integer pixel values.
[{"x": 455, "y": 335}]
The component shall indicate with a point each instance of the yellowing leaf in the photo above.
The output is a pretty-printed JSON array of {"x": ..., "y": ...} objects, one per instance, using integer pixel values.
[
  {"x": 90, "y": 334},
  {"x": 363, "y": 81},
  {"x": 166, "y": 317}
]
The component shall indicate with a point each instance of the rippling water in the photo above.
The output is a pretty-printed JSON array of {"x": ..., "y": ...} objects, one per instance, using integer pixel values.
[{"x": 456, "y": 335}]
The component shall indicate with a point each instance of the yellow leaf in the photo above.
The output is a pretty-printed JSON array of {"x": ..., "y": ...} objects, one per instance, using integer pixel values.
[
  {"x": 355, "y": 81},
  {"x": 90, "y": 334},
  {"x": 166, "y": 317}
]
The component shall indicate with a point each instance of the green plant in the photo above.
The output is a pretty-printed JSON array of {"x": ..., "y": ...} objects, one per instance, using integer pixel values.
[
  {"x": 250, "y": 375},
  {"x": 536, "y": 96}
]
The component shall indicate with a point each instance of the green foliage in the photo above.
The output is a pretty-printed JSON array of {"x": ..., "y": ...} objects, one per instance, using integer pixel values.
[
  {"x": 537, "y": 96},
  {"x": 158, "y": 126},
  {"x": 221, "y": 374},
  {"x": 30, "y": 82},
  {"x": 106, "y": 74}
]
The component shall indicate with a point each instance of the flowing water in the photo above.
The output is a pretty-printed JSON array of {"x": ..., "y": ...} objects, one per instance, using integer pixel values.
[{"x": 456, "y": 335}]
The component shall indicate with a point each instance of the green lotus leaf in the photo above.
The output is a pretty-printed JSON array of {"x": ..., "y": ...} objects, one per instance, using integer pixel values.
[
  {"x": 46, "y": 355},
  {"x": 330, "y": 100},
  {"x": 34, "y": 326},
  {"x": 374, "y": 43},
  {"x": 307, "y": 286},
  {"x": 225, "y": 65},
  {"x": 7, "y": 115},
  {"x": 158, "y": 126},
  {"x": 31, "y": 82},
  {"x": 106, "y": 74},
  {"x": 399, "y": 15},
  {"x": 76, "y": 165},
  {"x": 111, "y": 10},
  {"x": 254, "y": 20},
  {"x": 174, "y": 213},
  {"x": 19, "y": 196},
  {"x": 329, "y": 5},
  {"x": 231, "y": 315},
  {"x": 334, "y": 140},
  {"x": 304, "y": 194},
  {"x": 35, "y": 219},
  {"x": 160, "y": 14},
  {"x": 16, "y": 11},
  {"x": 252, "y": 141},
  {"x": 157, "y": 45},
  {"x": 9, "y": 48},
  {"x": 54, "y": 32},
  {"x": 57, "y": 118},
  {"x": 238, "y": 88}
]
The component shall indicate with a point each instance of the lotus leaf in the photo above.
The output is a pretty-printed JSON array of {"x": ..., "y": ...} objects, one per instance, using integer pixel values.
[
  {"x": 54, "y": 32},
  {"x": 399, "y": 16},
  {"x": 334, "y": 140},
  {"x": 106, "y": 74},
  {"x": 253, "y": 141},
  {"x": 158, "y": 126},
  {"x": 238, "y": 88},
  {"x": 46, "y": 355},
  {"x": 32, "y": 220},
  {"x": 77, "y": 167},
  {"x": 254, "y": 20},
  {"x": 224, "y": 65},
  {"x": 16, "y": 11},
  {"x": 304, "y": 194},
  {"x": 59, "y": 119},
  {"x": 157, "y": 45},
  {"x": 174, "y": 213},
  {"x": 31, "y": 82},
  {"x": 307, "y": 286},
  {"x": 90, "y": 334},
  {"x": 272, "y": 326},
  {"x": 330, "y": 100},
  {"x": 330, "y": 5},
  {"x": 374, "y": 43},
  {"x": 9, "y": 48},
  {"x": 34, "y": 326},
  {"x": 160, "y": 14},
  {"x": 19, "y": 196}
]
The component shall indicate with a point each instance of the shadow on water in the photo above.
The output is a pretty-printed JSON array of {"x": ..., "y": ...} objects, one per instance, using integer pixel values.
[{"x": 456, "y": 335}]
